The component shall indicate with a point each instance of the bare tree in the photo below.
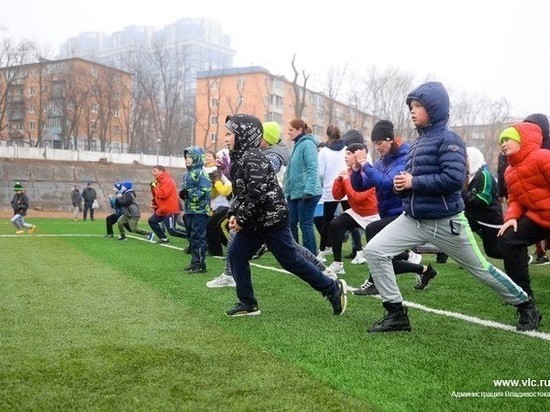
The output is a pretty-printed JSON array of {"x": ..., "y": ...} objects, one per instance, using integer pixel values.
[
  {"x": 299, "y": 89},
  {"x": 335, "y": 79}
]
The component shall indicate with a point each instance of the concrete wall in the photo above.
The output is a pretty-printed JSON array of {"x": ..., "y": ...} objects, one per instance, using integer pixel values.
[{"x": 49, "y": 183}]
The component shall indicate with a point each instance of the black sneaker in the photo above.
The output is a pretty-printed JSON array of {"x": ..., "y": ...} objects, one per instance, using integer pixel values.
[
  {"x": 122, "y": 238},
  {"x": 441, "y": 257},
  {"x": 197, "y": 269},
  {"x": 242, "y": 309},
  {"x": 260, "y": 252},
  {"x": 339, "y": 300},
  {"x": 396, "y": 319},
  {"x": 541, "y": 260},
  {"x": 425, "y": 277},
  {"x": 366, "y": 289},
  {"x": 529, "y": 316},
  {"x": 163, "y": 240}
]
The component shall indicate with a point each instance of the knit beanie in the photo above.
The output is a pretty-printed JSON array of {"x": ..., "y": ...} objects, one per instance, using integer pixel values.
[
  {"x": 18, "y": 187},
  {"x": 382, "y": 131},
  {"x": 355, "y": 147},
  {"x": 541, "y": 121},
  {"x": 509, "y": 133},
  {"x": 272, "y": 133},
  {"x": 352, "y": 136}
]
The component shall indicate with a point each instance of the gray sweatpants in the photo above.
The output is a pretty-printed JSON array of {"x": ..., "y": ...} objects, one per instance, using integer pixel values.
[{"x": 453, "y": 236}]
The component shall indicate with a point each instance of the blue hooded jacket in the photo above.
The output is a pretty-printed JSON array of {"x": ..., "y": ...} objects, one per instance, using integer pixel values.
[{"x": 437, "y": 160}]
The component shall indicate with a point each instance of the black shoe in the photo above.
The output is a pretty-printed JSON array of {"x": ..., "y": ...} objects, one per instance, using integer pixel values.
[
  {"x": 339, "y": 299},
  {"x": 122, "y": 238},
  {"x": 197, "y": 269},
  {"x": 366, "y": 289},
  {"x": 425, "y": 277},
  {"x": 163, "y": 240},
  {"x": 396, "y": 319},
  {"x": 189, "y": 267},
  {"x": 242, "y": 309},
  {"x": 529, "y": 316},
  {"x": 260, "y": 252},
  {"x": 441, "y": 257}
]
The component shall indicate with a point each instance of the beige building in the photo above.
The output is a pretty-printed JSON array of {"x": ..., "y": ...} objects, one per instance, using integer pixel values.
[
  {"x": 253, "y": 90},
  {"x": 69, "y": 103}
]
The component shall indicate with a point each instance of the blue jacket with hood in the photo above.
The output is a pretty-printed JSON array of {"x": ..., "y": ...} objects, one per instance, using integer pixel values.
[{"x": 436, "y": 160}]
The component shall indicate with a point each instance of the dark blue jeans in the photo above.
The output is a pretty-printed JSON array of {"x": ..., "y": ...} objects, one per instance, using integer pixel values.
[
  {"x": 281, "y": 244},
  {"x": 301, "y": 212},
  {"x": 196, "y": 228},
  {"x": 169, "y": 223}
]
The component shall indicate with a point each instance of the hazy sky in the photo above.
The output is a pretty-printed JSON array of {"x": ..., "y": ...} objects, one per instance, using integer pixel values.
[{"x": 494, "y": 48}]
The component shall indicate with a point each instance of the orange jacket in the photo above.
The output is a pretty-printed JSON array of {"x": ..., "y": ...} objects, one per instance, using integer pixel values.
[
  {"x": 528, "y": 178},
  {"x": 363, "y": 203},
  {"x": 165, "y": 195}
]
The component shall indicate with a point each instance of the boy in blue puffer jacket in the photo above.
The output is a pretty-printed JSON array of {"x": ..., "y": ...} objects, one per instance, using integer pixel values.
[{"x": 431, "y": 184}]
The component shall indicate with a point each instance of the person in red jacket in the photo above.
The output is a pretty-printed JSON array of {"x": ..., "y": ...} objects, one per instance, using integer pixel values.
[
  {"x": 362, "y": 211},
  {"x": 527, "y": 218},
  {"x": 166, "y": 205}
]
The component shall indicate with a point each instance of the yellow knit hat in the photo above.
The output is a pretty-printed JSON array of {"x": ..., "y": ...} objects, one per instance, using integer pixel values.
[
  {"x": 272, "y": 133},
  {"x": 509, "y": 133}
]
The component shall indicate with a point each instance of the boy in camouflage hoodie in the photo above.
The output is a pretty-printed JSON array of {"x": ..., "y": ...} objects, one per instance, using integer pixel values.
[{"x": 196, "y": 197}]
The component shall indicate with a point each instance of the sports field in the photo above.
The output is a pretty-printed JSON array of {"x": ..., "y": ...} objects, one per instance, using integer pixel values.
[{"x": 88, "y": 323}]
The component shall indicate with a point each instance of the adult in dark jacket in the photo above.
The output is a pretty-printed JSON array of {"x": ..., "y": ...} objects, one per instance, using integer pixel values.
[
  {"x": 258, "y": 215},
  {"x": 76, "y": 201},
  {"x": 431, "y": 187},
  {"x": 89, "y": 195}
]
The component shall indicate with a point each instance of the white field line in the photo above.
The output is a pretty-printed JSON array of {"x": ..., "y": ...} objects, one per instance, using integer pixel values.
[{"x": 449, "y": 314}]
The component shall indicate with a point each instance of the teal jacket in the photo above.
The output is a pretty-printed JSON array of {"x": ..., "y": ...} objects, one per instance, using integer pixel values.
[{"x": 302, "y": 173}]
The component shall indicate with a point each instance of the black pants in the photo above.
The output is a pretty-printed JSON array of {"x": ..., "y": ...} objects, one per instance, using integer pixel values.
[
  {"x": 513, "y": 246},
  {"x": 217, "y": 231},
  {"x": 110, "y": 221},
  {"x": 88, "y": 206},
  {"x": 329, "y": 209}
]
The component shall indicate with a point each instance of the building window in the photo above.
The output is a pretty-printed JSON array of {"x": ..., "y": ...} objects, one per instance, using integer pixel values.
[
  {"x": 213, "y": 137},
  {"x": 32, "y": 125},
  {"x": 93, "y": 124},
  {"x": 116, "y": 113},
  {"x": 214, "y": 102},
  {"x": 32, "y": 91},
  {"x": 214, "y": 120},
  {"x": 32, "y": 108},
  {"x": 95, "y": 108}
]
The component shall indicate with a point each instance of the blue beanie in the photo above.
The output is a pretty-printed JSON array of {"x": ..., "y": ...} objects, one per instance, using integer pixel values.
[{"x": 126, "y": 186}]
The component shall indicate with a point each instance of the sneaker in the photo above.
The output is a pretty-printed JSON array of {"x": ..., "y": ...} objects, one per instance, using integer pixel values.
[
  {"x": 150, "y": 236},
  {"x": 19, "y": 232},
  {"x": 424, "y": 278},
  {"x": 529, "y": 316},
  {"x": 32, "y": 229},
  {"x": 359, "y": 259},
  {"x": 441, "y": 257},
  {"x": 163, "y": 240},
  {"x": 122, "y": 238},
  {"x": 242, "y": 309},
  {"x": 321, "y": 257},
  {"x": 414, "y": 258},
  {"x": 337, "y": 268},
  {"x": 538, "y": 260},
  {"x": 396, "y": 319},
  {"x": 222, "y": 281},
  {"x": 329, "y": 273},
  {"x": 339, "y": 300},
  {"x": 366, "y": 289},
  {"x": 197, "y": 269},
  {"x": 260, "y": 252}
]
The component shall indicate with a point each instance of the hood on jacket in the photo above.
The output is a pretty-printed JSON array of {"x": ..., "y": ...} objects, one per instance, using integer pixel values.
[
  {"x": 127, "y": 186},
  {"x": 541, "y": 121},
  {"x": 248, "y": 131},
  {"x": 196, "y": 154},
  {"x": 475, "y": 161},
  {"x": 531, "y": 139},
  {"x": 434, "y": 97}
]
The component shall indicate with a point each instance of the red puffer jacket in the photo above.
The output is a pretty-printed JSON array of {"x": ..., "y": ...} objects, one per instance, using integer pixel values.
[
  {"x": 363, "y": 203},
  {"x": 528, "y": 178}
]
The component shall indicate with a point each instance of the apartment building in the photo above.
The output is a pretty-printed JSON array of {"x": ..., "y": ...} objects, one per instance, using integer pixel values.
[
  {"x": 69, "y": 103},
  {"x": 254, "y": 90}
]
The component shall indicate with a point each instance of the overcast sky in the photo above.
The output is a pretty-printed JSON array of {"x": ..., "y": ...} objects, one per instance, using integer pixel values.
[{"x": 493, "y": 48}]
